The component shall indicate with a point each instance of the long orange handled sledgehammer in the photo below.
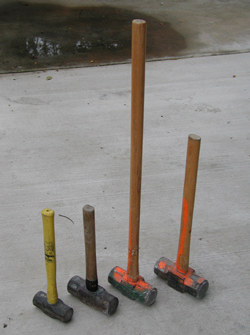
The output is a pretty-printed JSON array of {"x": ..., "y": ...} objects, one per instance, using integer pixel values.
[
  {"x": 179, "y": 275},
  {"x": 129, "y": 282},
  {"x": 49, "y": 303}
]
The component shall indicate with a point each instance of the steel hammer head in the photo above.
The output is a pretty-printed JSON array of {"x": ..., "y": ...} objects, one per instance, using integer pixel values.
[
  {"x": 139, "y": 290},
  {"x": 99, "y": 299},
  {"x": 189, "y": 282},
  {"x": 58, "y": 311}
]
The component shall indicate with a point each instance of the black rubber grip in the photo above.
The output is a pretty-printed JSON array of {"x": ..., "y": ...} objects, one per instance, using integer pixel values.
[{"x": 92, "y": 286}]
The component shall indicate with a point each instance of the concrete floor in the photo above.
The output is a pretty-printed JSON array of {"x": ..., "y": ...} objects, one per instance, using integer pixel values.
[{"x": 65, "y": 142}]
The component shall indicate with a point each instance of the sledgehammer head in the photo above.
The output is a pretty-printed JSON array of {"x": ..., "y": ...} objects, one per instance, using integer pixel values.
[
  {"x": 58, "y": 311},
  {"x": 189, "y": 282},
  {"x": 139, "y": 290},
  {"x": 99, "y": 299}
]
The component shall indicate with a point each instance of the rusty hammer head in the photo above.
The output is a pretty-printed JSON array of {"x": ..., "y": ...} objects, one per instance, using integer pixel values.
[
  {"x": 59, "y": 310},
  {"x": 98, "y": 299},
  {"x": 189, "y": 282},
  {"x": 134, "y": 290}
]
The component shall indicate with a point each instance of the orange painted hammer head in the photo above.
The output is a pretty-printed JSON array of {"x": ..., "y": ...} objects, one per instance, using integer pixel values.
[
  {"x": 134, "y": 290},
  {"x": 188, "y": 282}
]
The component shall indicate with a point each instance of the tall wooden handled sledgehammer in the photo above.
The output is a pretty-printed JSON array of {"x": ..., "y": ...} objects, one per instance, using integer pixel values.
[
  {"x": 129, "y": 282},
  {"x": 179, "y": 275},
  {"x": 88, "y": 291},
  {"x": 49, "y": 303}
]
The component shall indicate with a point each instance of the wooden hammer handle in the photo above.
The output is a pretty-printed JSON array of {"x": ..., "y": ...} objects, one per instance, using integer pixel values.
[
  {"x": 192, "y": 161},
  {"x": 50, "y": 254},
  {"x": 137, "y": 112},
  {"x": 90, "y": 247}
]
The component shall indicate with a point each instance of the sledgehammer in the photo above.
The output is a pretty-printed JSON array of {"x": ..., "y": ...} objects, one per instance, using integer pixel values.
[
  {"x": 179, "y": 275},
  {"x": 49, "y": 303},
  {"x": 129, "y": 282},
  {"x": 88, "y": 291}
]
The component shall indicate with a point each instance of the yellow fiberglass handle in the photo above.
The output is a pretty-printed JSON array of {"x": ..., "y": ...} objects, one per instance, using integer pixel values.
[{"x": 50, "y": 254}]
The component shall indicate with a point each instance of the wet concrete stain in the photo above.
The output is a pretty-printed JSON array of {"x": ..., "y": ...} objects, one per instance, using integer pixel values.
[{"x": 42, "y": 36}]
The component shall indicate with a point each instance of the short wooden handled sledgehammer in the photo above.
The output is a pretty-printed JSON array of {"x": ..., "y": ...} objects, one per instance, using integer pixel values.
[
  {"x": 49, "y": 303},
  {"x": 179, "y": 275},
  {"x": 129, "y": 282},
  {"x": 88, "y": 291}
]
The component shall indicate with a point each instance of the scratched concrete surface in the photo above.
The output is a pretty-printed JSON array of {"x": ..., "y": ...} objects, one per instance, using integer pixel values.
[{"x": 65, "y": 142}]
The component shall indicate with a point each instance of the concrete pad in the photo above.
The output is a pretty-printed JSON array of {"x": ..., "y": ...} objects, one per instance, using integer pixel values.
[{"x": 65, "y": 142}]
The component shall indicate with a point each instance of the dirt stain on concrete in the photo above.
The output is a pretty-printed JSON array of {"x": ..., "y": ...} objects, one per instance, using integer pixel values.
[{"x": 42, "y": 36}]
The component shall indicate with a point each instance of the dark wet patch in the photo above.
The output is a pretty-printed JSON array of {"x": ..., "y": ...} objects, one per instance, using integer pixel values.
[{"x": 40, "y": 36}]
